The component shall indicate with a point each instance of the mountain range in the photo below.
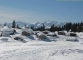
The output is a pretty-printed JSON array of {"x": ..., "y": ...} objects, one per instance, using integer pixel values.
[{"x": 38, "y": 24}]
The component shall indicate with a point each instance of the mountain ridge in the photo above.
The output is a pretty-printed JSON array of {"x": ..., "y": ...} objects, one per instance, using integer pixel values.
[{"x": 38, "y": 24}]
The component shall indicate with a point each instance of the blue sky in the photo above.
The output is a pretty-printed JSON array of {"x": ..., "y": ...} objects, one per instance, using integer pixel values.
[{"x": 41, "y": 10}]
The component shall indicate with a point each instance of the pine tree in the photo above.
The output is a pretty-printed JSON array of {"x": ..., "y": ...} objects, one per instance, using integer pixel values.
[
  {"x": 1, "y": 34},
  {"x": 62, "y": 27},
  {"x": 80, "y": 27},
  {"x": 67, "y": 26},
  {"x": 52, "y": 29},
  {"x": 32, "y": 27},
  {"x": 4, "y": 24},
  {"x": 18, "y": 26},
  {"x": 13, "y": 24},
  {"x": 73, "y": 28},
  {"x": 59, "y": 28},
  {"x": 43, "y": 27}
]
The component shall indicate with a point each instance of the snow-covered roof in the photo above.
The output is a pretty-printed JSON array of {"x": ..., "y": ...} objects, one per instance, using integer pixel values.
[
  {"x": 7, "y": 30},
  {"x": 40, "y": 33},
  {"x": 4, "y": 39},
  {"x": 71, "y": 39},
  {"x": 28, "y": 30}
]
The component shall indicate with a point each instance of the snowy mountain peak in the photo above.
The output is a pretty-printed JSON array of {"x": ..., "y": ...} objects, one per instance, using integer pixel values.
[
  {"x": 46, "y": 23},
  {"x": 38, "y": 24}
]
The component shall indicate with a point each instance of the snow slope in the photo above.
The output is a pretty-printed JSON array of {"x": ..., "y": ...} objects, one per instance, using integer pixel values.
[
  {"x": 57, "y": 49},
  {"x": 33, "y": 48}
]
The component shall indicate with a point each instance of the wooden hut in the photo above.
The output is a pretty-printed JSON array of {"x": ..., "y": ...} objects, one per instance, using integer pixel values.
[
  {"x": 25, "y": 33},
  {"x": 61, "y": 33}
]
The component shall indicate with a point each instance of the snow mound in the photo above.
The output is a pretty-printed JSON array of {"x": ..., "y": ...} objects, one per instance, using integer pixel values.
[
  {"x": 4, "y": 39},
  {"x": 73, "y": 39},
  {"x": 28, "y": 30}
]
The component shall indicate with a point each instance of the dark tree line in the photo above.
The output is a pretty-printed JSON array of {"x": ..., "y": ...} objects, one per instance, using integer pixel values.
[
  {"x": 42, "y": 28},
  {"x": 73, "y": 27}
]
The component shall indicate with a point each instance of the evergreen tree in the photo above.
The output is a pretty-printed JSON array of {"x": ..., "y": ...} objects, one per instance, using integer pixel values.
[
  {"x": 73, "y": 28},
  {"x": 43, "y": 27},
  {"x": 32, "y": 27},
  {"x": 4, "y": 24},
  {"x": 52, "y": 29},
  {"x": 67, "y": 26},
  {"x": 13, "y": 24},
  {"x": 80, "y": 27},
  {"x": 1, "y": 34},
  {"x": 59, "y": 28},
  {"x": 18, "y": 26},
  {"x": 62, "y": 27}
]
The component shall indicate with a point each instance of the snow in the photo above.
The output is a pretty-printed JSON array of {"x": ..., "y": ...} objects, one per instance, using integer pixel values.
[
  {"x": 31, "y": 48},
  {"x": 28, "y": 30},
  {"x": 7, "y": 30},
  {"x": 39, "y": 24},
  {"x": 40, "y": 33},
  {"x": 40, "y": 50},
  {"x": 80, "y": 34},
  {"x": 74, "y": 39},
  {"x": 4, "y": 39}
]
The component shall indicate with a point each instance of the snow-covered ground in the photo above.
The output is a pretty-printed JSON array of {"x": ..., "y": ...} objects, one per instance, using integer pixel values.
[
  {"x": 60, "y": 47},
  {"x": 35, "y": 49}
]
